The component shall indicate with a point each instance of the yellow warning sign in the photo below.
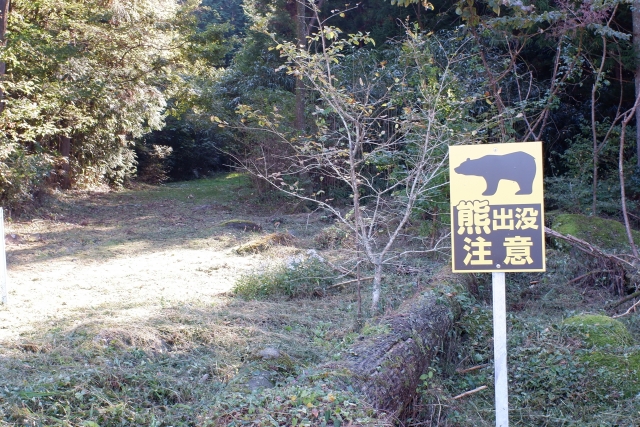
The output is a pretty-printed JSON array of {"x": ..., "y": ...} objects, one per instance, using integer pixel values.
[{"x": 497, "y": 211}]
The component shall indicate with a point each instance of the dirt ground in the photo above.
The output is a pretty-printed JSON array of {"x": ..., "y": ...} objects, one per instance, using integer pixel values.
[{"x": 126, "y": 255}]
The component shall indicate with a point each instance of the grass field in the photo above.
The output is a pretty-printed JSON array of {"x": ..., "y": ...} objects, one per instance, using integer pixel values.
[
  {"x": 119, "y": 309},
  {"x": 122, "y": 313}
]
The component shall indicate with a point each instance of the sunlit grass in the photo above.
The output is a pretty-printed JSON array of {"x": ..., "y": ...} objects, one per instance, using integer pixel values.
[{"x": 223, "y": 188}]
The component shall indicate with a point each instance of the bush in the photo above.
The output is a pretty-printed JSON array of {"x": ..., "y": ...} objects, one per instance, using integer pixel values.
[
  {"x": 23, "y": 176},
  {"x": 333, "y": 237},
  {"x": 297, "y": 278}
]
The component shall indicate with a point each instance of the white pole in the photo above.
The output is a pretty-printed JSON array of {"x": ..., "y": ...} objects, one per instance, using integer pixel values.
[
  {"x": 500, "y": 350},
  {"x": 3, "y": 263}
]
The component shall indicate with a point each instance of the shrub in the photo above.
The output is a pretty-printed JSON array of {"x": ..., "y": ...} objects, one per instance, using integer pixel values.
[
  {"x": 332, "y": 237},
  {"x": 22, "y": 176},
  {"x": 296, "y": 278}
]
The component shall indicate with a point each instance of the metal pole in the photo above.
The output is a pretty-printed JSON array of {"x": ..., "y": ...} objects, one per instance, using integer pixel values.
[{"x": 500, "y": 350}]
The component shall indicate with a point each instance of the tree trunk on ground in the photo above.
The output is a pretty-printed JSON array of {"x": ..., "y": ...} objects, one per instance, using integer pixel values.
[{"x": 387, "y": 368}]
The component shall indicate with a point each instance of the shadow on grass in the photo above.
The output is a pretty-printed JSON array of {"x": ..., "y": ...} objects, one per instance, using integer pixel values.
[{"x": 103, "y": 225}]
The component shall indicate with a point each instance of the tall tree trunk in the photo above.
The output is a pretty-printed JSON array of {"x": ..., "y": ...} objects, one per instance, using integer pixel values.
[
  {"x": 302, "y": 32},
  {"x": 635, "y": 18},
  {"x": 301, "y": 35},
  {"x": 4, "y": 15},
  {"x": 623, "y": 196}
]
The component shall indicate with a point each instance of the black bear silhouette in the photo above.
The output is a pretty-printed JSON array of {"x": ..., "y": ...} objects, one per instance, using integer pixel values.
[{"x": 518, "y": 166}]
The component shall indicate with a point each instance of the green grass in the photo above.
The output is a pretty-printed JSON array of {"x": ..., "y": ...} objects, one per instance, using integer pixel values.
[
  {"x": 191, "y": 364},
  {"x": 224, "y": 188},
  {"x": 580, "y": 371}
]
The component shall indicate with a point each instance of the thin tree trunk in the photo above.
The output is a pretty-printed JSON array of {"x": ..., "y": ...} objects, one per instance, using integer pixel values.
[
  {"x": 635, "y": 19},
  {"x": 594, "y": 131},
  {"x": 4, "y": 15},
  {"x": 623, "y": 197},
  {"x": 377, "y": 282},
  {"x": 65, "y": 150},
  {"x": 360, "y": 319},
  {"x": 301, "y": 35}
]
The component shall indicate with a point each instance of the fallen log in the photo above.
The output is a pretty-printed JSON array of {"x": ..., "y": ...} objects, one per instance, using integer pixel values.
[
  {"x": 387, "y": 368},
  {"x": 589, "y": 248},
  {"x": 614, "y": 265}
]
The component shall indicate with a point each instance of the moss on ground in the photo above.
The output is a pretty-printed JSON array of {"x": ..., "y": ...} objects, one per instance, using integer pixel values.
[
  {"x": 604, "y": 233},
  {"x": 598, "y": 331},
  {"x": 609, "y": 357},
  {"x": 620, "y": 371}
]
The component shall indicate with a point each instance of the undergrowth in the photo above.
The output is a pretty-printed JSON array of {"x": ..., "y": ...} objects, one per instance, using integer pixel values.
[
  {"x": 304, "y": 277},
  {"x": 191, "y": 366},
  {"x": 562, "y": 372}
]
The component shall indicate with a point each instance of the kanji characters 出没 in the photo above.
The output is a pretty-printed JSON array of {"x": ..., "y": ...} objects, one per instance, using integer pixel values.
[{"x": 477, "y": 217}]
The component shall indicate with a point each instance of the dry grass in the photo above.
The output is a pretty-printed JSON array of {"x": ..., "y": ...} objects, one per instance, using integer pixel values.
[
  {"x": 263, "y": 243},
  {"x": 119, "y": 312},
  {"x": 134, "y": 251},
  {"x": 184, "y": 361}
]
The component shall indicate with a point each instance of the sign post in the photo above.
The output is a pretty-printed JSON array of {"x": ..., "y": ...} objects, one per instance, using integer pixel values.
[
  {"x": 497, "y": 226},
  {"x": 500, "y": 349}
]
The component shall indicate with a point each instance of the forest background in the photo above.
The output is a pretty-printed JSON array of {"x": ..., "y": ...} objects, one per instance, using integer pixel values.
[{"x": 107, "y": 92}]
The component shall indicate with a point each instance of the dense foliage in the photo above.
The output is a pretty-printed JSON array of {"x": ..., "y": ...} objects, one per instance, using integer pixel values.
[
  {"x": 99, "y": 92},
  {"x": 85, "y": 80}
]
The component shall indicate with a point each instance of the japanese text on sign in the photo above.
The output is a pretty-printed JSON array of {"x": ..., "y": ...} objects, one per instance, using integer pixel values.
[{"x": 496, "y": 207}]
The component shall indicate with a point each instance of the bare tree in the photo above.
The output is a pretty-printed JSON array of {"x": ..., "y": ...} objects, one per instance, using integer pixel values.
[{"x": 383, "y": 131}]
